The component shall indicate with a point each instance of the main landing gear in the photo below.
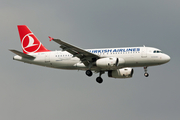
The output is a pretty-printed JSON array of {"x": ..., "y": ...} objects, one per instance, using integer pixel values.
[
  {"x": 145, "y": 70},
  {"x": 98, "y": 79},
  {"x": 89, "y": 73}
]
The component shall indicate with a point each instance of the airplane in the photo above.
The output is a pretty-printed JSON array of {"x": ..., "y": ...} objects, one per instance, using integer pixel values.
[{"x": 117, "y": 62}]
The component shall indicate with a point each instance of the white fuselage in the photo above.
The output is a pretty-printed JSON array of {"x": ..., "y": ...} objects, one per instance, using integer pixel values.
[{"x": 133, "y": 57}]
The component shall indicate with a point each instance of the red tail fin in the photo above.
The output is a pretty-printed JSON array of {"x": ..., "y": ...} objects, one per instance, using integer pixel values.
[{"x": 29, "y": 42}]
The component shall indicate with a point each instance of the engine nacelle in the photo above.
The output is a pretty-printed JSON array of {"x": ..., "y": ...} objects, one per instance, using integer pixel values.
[
  {"x": 121, "y": 73},
  {"x": 110, "y": 62}
]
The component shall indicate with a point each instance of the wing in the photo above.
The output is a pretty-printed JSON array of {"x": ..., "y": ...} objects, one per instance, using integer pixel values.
[{"x": 85, "y": 56}]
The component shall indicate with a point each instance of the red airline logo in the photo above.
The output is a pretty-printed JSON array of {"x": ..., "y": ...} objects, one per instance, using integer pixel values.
[{"x": 30, "y": 43}]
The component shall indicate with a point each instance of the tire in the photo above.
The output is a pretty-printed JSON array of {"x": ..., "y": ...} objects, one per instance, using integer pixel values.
[
  {"x": 146, "y": 74},
  {"x": 89, "y": 73},
  {"x": 99, "y": 80}
]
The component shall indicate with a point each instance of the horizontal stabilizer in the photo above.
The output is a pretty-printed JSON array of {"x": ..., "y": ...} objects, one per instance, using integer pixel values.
[{"x": 22, "y": 54}]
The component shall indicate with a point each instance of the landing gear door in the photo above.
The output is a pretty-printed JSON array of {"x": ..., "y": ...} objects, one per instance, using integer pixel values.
[{"x": 144, "y": 52}]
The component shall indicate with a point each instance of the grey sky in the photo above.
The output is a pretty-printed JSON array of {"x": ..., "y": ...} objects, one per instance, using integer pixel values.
[{"x": 32, "y": 92}]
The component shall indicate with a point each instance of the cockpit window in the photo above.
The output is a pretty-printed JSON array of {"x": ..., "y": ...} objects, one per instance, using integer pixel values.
[{"x": 157, "y": 51}]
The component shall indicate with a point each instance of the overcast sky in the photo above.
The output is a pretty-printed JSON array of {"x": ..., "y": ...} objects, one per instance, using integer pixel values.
[{"x": 29, "y": 92}]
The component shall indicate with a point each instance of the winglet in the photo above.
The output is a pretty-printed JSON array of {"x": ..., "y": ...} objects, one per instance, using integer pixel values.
[{"x": 50, "y": 38}]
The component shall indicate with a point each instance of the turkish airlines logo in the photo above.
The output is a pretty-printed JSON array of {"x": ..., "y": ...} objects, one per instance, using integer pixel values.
[{"x": 30, "y": 43}]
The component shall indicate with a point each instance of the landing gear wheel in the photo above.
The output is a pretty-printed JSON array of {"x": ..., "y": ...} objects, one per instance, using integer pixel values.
[
  {"x": 145, "y": 70},
  {"x": 99, "y": 80},
  {"x": 146, "y": 74},
  {"x": 89, "y": 73}
]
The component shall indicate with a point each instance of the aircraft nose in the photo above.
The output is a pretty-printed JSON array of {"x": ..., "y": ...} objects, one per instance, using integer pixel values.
[{"x": 166, "y": 58}]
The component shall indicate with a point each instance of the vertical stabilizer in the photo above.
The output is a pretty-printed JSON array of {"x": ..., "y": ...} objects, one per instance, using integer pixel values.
[{"x": 29, "y": 42}]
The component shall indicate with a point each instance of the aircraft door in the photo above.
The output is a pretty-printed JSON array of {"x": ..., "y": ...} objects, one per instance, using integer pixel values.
[
  {"x": 47, "y": 57},
  {"x": 144, "y": 52}
]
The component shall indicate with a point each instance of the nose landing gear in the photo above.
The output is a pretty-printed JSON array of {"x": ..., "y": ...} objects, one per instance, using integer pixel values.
[{"x": 145, "y": 70}]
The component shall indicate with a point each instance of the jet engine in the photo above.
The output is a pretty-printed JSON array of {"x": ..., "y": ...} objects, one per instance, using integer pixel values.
[
  {"x": 109, "y": 62},
  {"x": 121, "y": 73}
]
